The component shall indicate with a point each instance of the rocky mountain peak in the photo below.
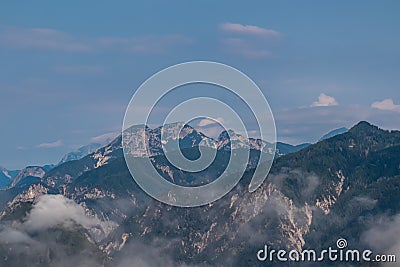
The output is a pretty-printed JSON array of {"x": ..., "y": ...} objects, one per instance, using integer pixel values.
[
  {"x": 31, "y": 171},
  {"x": 304, "y": 195},
  {"x": 364, "y": 128}
]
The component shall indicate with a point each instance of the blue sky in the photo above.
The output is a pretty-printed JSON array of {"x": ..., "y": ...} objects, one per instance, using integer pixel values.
[{"x": 68, "y": 70}]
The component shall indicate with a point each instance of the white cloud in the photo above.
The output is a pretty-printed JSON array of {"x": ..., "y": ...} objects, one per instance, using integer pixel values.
[
  {"x": 249, "y": 41},
  {"x": 51, "y": 211},
  {"x": 9, "y": 235},
  {"x": 383, "y": 235},
  {"x": 249, "y": 30},
  {"x": 51, "y": 144},
  {"x": 386, "y": 104},
  {"x": 212, "y": 132},
  {"x": 56, "y": 210},
  {"x": 325, "y": 101},
  {"x": 206, "y": 121}
]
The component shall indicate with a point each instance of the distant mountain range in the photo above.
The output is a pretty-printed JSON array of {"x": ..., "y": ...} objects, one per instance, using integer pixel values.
[
  {"x": 12, "y": 178},
  {"x": 344, "y": 186},
  {"x": 7, "y": 176},
  {"x": 31, "y": 174},
  {"x": 80, "y": 152},
  {"x": 334, "y": 133},
  {"x": 284, "y": 149}
]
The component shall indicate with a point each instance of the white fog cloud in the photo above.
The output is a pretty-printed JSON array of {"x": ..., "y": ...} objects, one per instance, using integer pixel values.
[
  {"x": 56, "y": 210},
  {"x": 13, "y": 236},
  {"x": 383, "y": 236}
]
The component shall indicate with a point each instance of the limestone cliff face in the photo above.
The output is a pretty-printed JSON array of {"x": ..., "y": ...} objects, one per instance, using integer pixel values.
[
  {"x": 333, "y": 192},
  {"x": 33, "y": 171},
  {"x": 311, "y": 195}
]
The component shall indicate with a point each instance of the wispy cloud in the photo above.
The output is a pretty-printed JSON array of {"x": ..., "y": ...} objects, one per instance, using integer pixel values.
[
  {"x": 41, "y": 38},
  {"x": 79, "y": 69},
  {"x": 386, "y": 104},
  {"x": 244, "y": 48},
  {"x": 51, "y": 144},
  {"x": 237, "y": 28},
  {"x": 104, "y": 138},
  {"x": 248, "y": 41},
  {"x": 146, "y": 44},
  {"x": 55, "y": 40},
  {"x": 325, "y": 101}
]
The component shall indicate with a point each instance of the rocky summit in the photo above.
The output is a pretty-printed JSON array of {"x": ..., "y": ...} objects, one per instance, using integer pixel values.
[{"x": 90, "y": 212}]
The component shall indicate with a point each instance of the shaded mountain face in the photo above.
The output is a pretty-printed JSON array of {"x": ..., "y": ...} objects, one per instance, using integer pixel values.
[
  {"x": 284, "y": 149},
  {"x": 6, "y": 177},
  {"x": 346, "y": 186},
  {"x": 27, "y": 175}
]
